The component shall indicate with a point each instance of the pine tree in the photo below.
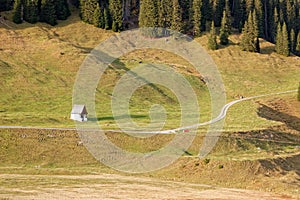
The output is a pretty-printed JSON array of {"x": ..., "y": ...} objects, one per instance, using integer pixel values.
[
  {"x": 17, "y": 12},
  {"x": 239, "y": 13},
  {"x": 107, "y": 19},
  {"x": 290, "y": 14},
  {"x": 212, "y": 39},
  {"x": 225, "y": 30},
  {"x": 148, "y": 14},
  {"x": 116, "y": 10},
  {"x": 165, "y": 13},
  {"x": 177, "y": 21},
  {"x": 250, "y": 41},
  {"x": 87, "y": 8},
  {"x": 218, "y": 7},
  {"x": 285, "y": 41},
  {"x": 255, "y": 28},
  {"x": 197, "y": 18},
  {"x": 98, "y": 17},
  {"x": 148, "y": 18},
  {"x": 48, "y": 12},
  {"x": 206, "y": 13},
  {"x": 282, "y": 40},
  {"x": 31, "y": 12},
  {"x": 259, "y": 16},
  {"x": 62, "y": 9},
  {"x": 299, "y": 92},
  {"x": 298, "y": 44},
  {"x": 278, "y": 39},
  {"x": 293, "y": 41}
]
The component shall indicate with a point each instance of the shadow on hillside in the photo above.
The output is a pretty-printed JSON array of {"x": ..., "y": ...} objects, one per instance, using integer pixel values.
[
  {"x": 266, "y": 48},
  {"x": 269, "y": 113},
  {"x": 118, "y": 64},
  {"x": 283, "y": 165},
  {"x": 10, "y": 25},
  {"x": 118, "y": 117}
]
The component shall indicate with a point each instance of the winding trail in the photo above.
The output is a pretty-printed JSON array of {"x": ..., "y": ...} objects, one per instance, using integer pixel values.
[{"x": 221, "y": 116}]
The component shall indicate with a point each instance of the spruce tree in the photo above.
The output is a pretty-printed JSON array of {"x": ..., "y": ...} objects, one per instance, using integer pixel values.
[
  {"x": 259, "y": 16},
  {"x": 298, "y": 44},
  {"x": 62, "y": 9},
  {"x": 148, "y": 16},
  {"x": 31, "y": 12},
  {"x": 290, "y": 14},
  {"x": 278, "y": 47},
  {"x": 282, "y": 40},
  {"x": 299, "y": 92},
  {"x": 225, "y": 29},
  {"x": 218, "y": 7},
  {"x": 87, "y": 8},
  {"x": 285, "y": 41},
  {"x": 206, "y": 13},
  {"x": 98, "y": 17},
  {"x": 250, "y": 41},
  {"x": 116, "y": 10},
  {"x": 255, "y": 28},
  {"x": 177, "y": 21},
  {"x": 17, "y": 12},
  {"x": 239, "y": 13},
  {"x": 293, "y": 41},
  {"x": 197, "y": 17},
  {"x": 212, "y": 39},
  {"x": 107, "y": 19},
  {"x": 165, "y": 13},
  {"x": 48, "y": 12}
]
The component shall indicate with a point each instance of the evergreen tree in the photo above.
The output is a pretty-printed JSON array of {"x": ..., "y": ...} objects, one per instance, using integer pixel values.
[
  {"x": 298, "y": 44},
  {"x": 212, "y": 39},
  {"x": 177, "y": 21},
  {"x": 17, "y": 12},
  {"x": 290, "y": 14},
  {"x": 249, "y": 6},
  {"x": 278, "y": 39},
  {"x": 148, "y": 14},
  {"x": 293, "y": 41},
  {"x": 116, "y": 10},
  {"x": 31, "y": 12},
  {"x": 282, "y": 40},
  {"x": 299, "y": 92},
  {"x": 98, "y": 20},
  {"x": 285, "y": 41},
  {"x": 225, "y": 30},
  {"x": 5, "y": 5},
  {"x": 165, "y": 13},
  {"x": 197, "y": 17},
  {"x": 259, "y": 16},
  {"x": 255, "y": 28},
  {"x": 48, "y": 12},
  {"x": 250, "y": 41},
  {"x": 239, "y": 13},
  {"x": 206, "y": 13},
  {"x": 107, "y": 19},
  {"x": 218, "y": 7},
  {"x": 87, "y": 8},
  {"x": 62, "y": 9}
]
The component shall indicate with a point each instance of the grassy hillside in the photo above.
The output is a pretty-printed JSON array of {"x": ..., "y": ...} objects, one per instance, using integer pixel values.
[{"x": 39, "y": 65}]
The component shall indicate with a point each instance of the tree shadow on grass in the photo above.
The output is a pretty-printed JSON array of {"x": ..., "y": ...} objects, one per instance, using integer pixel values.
[
  {"x": 269, "y": 113},
  {"x": 118, "y": 117}
]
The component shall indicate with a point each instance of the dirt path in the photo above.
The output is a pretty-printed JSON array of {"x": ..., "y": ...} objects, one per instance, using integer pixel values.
[{"x": 110, "y": 186}]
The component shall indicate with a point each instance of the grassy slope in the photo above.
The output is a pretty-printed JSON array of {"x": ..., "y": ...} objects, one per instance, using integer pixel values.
[
  {"x": 38, "y": 92},
  {"x": 39, "y": 65}
]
